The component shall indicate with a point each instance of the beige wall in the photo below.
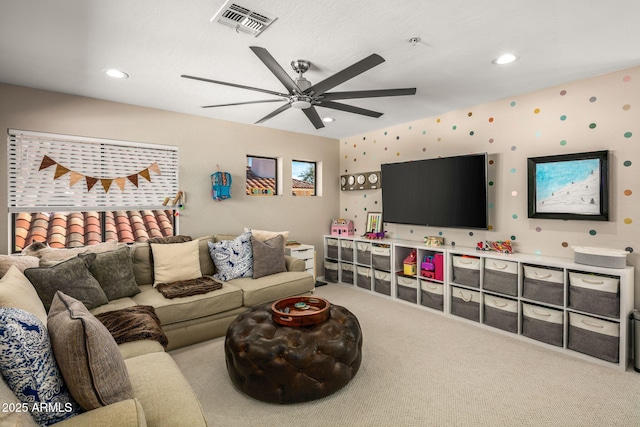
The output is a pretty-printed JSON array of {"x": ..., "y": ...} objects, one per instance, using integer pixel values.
[
  {"x": 204, "y": 143},
  {"x": 601, "y": 113}
]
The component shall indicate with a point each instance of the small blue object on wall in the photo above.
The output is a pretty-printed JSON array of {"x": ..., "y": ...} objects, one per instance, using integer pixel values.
[{"x": 220, "y": 186}]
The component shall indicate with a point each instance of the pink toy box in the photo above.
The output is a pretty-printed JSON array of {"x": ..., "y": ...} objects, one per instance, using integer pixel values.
[{"x": 342, "y": 227}]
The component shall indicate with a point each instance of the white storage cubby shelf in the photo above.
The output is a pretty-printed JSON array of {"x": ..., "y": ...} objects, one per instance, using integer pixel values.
[{"x": 573, "y": 308}]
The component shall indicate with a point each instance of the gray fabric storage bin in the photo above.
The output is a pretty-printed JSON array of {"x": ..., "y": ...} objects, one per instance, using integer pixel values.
[
  {"x": 592, "y": 340},
  {"x": 382, "y": 282},
  {"x": 431, "y": 295},
  {"x": 381, "y": 258},
  {"x": 332, "y": 248},
  {"x": 346, "y": 250},
  {"x": 501, "y": 313},
  {"x": 363, "y": 277},
  {"x": 466, "y": 271},
  {"x": 347, "y": 274},
  {"x": 595, "y": 294},
  {"x": 331, "y": 271},
  {"x": 363, "y": 253},
  {"x": 543, "y": 284},
  {"x": 501, "y": 282},
  {"x": 465, "y": 303},
  {"x": 407, "y": 289},
  {"x": 543, "y": 324}
]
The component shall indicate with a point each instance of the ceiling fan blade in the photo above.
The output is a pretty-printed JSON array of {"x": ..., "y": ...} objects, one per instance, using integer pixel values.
[
  {"x": 368, "y": 94},
  {"x": 245, "y": 103},
  {"x": 235, "y": 85},
  {"x": 346, "y": 74},
  {"x": 349, "y": 108},
  {"x": 314, "y": 118},
  {"x": 275, "y": 112},
  {"x": 276, "y": 69}
]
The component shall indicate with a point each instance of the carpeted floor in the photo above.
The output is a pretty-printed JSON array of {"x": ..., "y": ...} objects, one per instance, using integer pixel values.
[{"x": 423, "y": 369}]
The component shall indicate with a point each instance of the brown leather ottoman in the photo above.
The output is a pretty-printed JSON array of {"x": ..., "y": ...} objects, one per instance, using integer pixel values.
[{"x": 284, "y": 364}]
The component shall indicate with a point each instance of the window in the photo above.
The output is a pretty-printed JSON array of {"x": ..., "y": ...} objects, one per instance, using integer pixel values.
[
  {"x": 262, "y": 176},
  {"x": 73, "y": 191},
  {"x": 303, "y": 178}
]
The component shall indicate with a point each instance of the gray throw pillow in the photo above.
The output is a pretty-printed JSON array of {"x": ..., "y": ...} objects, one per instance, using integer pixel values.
[
  {"x": 71, "y": 277},
  {"x": 114, "y": 271},
  {"x": 268, "y": 256}
]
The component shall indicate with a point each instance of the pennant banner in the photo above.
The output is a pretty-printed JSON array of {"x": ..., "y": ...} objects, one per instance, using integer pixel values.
[{"x": 75, "y": 177}]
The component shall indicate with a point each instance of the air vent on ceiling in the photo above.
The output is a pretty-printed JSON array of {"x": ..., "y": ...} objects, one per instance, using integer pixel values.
[{"x": 243, "y": 18}]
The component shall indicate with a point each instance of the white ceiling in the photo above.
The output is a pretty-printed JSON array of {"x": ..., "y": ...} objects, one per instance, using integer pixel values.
[{"x": 64, "y": 45}]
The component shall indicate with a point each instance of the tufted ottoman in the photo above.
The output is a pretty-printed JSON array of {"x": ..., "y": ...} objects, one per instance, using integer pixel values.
[{"x": 285, "y": 364}]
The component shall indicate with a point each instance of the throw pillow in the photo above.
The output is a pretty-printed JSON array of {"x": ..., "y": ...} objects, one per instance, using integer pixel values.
[
  {"x": 89, "y": 359},
  {"x": 170, "y": 239},
  {"x": 268, "y": 257},
  {"x": 16, "y": 291},
  {"x": 21, "y": 261},
  {"x": 233, "y": 258},
  {"x": 47, "y": 253},
  {"x": 72, "y": 277},
  {"x": 29, "y": 367},
  {"x": 114, "y": 272},
  {"x": 263, "y": 235},
  {"x": 175, "y": 261}
]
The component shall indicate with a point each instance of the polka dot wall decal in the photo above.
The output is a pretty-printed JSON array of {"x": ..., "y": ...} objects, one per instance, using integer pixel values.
[
  {"x": 628, "y": 220},
  {"x": 398, "y": 153},
  {"x": 565, "y": 244},
  {"x": 490, "y": 140},
  {"x": 385, "y": 148},
  {"x": 364, "y": 137},
  {"x": 397, "y": 137},
  {"x": 385, "y": 132},
  {"x": 410, "y": 127},
  {"x": 538, "y": 252},
  {"x": 364, "y": 153},
  {"x": 490, "y": 205},
  {"x": 439, "y": 233},
  {"x": 471, "y": 233},
  {"x": 593, "y": 99},
  {"x": 513, "y": 237},
  {"x": 471, "y": 133},
  {"x": 437, "y": 120},
  {"x": 592, "y": 126},
  {"x": 628, "y": 134},
  {"x": 490, "y": 119},
  {"x": 454, "y": 127},
  {"x": 514, "y": 216},
  {"x": 490, "y": 183},
  {"x": 513, "y": 103},
  {"x": 424, "y": 132},
  {"x": 424, "y": 149},
  {"x": 627, "y": 163},
  {"x": 469, "y": 114},
  {"x": 563, "y": 92},
  {"x": 514, "y": 193},
  {"x": 563, "y": 142},
  {"x": 626, "y": 79},
  {"x": 513, "y": 170},
  {"x": 439, "y": 139},
  {"x": 563, "y": 117},
  {"x": 513, "y": 148},
  {"x": 538, "y": 229},
  {"x": 411, "y": 231},
  {"x": 536, "y": 111},
  {"x": 593, "y": 232},
  {"x": 626, "y": 107},
  {"x": 627, "y": 192},
  {"x": 355, "y": 145},
  {"x": 490, "y": 227},
  {"x": 538, "y": 134}
]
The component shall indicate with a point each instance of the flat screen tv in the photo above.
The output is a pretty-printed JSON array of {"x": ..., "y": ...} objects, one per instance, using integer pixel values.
[{"x": 442, "y": 192}]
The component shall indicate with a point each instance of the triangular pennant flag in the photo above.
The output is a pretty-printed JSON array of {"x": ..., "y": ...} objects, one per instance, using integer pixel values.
[
  {"x": 60, "y": 170},
  {"x": 121, "y": 182},
  {"x": 106, "y": 184},
  {"x": 75, "y": 177},
  {"x": 154, "y": 167},
  {"x": 145, "y": 174},
  {"x": 90, "y": 182},
  {"x": 46, "y": 162},
  {"x": 134, "y": 179}
]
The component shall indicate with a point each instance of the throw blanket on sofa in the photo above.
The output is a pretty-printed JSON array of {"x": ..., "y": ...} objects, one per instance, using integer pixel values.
[
  {"x": 186, "y": 288},
  {"x": 134, "y": 323}
]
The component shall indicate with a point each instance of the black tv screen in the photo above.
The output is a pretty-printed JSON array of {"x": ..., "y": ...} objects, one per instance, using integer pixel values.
[{"x": 442, "y": 192}]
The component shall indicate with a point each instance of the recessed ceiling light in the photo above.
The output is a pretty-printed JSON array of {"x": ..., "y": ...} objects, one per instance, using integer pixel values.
[
  {"x": 507, "y": 58},
  {"x": 328, "y": 119},
  {"x": 116, "y": 74}
]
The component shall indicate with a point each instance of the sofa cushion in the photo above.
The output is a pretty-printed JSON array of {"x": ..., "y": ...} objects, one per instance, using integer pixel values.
[
  {"x": 114, "y": 272},
  {"x": 268, "y": 256},
  {"x": 29, "y": 367},
  {"x": 264, "y": 235},
  {"x": 71, "y": 277},
  {"x": 113, "y": 305},
  {"x": 181, "y": 309},
  {"x": 18, "y": 292},
  {"x": 87, "y": 354},
  {"x": 233, "y": 258},
  {"x": 22, "y": 262},
  {"x": 273, "y": 287},
  {"x": 174, "y": 262}
]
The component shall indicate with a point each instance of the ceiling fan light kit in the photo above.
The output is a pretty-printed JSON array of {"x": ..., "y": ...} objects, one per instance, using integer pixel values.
[{"x": 305, "y": 96}]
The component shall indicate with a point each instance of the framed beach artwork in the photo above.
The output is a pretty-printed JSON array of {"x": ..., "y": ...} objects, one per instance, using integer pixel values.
[{"x": 569, "y": 186}]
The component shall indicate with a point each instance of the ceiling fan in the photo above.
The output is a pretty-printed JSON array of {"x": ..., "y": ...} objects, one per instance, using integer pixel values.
[{"x": 306, "y": 96}]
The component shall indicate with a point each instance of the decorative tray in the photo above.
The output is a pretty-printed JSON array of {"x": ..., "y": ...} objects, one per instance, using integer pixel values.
[{"x": 300, "y": 311}]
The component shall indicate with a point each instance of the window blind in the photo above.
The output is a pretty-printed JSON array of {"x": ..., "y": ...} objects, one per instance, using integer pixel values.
[{"x": 52, "y": 172}]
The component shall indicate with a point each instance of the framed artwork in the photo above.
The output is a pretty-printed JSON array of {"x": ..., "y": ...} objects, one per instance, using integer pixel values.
[
  {"x": 569, "y": 186},
  {"x": 374, "y": 222}
]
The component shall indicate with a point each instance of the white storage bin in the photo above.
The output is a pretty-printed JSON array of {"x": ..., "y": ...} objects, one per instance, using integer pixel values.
[
  {"x": 363, "y": 277},
  {"x": 594, "y": 294},
  {"x": 332, "y": 248},
  {"x": 465, "y": 303},
  {"x": 347, "y": 273},
  {"x": 543, "y": 284},
  {"x": 407, "y": 289},
  {"x": 382, "y": 282},
  {"x": 500, "y": 276},
  {"x": 543, "y": 324},
  {"x": 600, "y": 257},
  {"x": 346, "y": 250},
  {"x": 501, "y": 313},
  {"x": 363, "y": 253},
  {"x": 466, "y": 271},
  {"x": 595, "y": 337},
  {"x": 432, "y": 294},
  {"x": 381, "y": 257}
]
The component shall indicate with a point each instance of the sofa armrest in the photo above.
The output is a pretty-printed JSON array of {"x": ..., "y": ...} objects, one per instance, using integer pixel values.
[
  {"x": 126, "y": 413},
  {"x": 294, "y": 264}
]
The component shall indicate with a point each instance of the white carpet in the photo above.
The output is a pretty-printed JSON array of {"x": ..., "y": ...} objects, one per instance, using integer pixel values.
[{"x": 423, "y": 369}]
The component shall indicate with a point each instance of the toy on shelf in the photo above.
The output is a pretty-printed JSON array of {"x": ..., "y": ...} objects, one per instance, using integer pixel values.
[
  {"x": 410, "y": 263},
  {"x": 433, "y": 241},
  {"x": 502, "y": 246},
  {"x": 342, "y": 227},
  {"x": 375, "y": 236}
]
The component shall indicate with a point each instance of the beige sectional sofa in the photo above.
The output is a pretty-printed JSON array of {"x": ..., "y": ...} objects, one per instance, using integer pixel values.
[{"x": 161, "y": 394}]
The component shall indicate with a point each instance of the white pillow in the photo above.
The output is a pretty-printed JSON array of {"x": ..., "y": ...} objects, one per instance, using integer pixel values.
[
  {"x": 175, "y": 261},
  {"x": 264, "y": 235},
  {"x": 17, "y": 291}
]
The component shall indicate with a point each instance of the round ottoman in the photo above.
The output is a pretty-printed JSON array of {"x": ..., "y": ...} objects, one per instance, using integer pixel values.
[{"x": 285, "y": 364}]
